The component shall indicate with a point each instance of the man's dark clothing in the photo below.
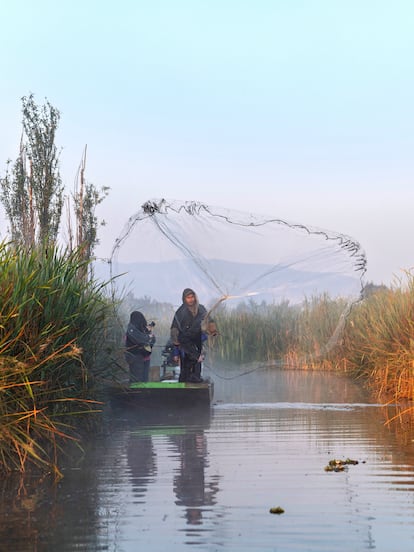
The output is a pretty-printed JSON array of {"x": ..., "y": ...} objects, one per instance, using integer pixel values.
[{"x": 186, "y": 331}]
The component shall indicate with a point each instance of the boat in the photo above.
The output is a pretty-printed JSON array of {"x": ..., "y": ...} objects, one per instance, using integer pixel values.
[
  {"x": 163, "y": 394},
  {"x": 163, "y": 390}
]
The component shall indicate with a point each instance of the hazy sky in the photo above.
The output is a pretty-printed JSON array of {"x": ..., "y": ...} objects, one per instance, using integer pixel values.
[{"x": 300, "y": 109}]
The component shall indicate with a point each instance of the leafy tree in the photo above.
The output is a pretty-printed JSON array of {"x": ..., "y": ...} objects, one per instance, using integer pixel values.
[
  {"x": 40, "y": 125},
  {"x": 16, "y": 197},
  {"x": 32, "y": 192}
]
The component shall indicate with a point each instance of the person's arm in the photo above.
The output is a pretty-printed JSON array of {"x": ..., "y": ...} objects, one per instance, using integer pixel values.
[
  {"x": 174, "y": 335},
  {"x": 208, "y": 325}
]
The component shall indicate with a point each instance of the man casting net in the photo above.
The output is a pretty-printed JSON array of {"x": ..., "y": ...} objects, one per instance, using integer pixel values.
[{"x": 279, "y": 291}]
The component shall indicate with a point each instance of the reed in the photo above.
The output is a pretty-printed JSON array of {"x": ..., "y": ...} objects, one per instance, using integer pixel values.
[
  {"x": 379, "y": 341},
  {"x": 295, "y": 335},
  {"x": 51, "y": 329},
  {"x": 257, "y": 333},
  {"x": 318, "y": 327}
]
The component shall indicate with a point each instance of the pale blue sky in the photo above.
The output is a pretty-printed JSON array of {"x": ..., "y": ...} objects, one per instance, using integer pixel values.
[{"x": 302, "y": 110}]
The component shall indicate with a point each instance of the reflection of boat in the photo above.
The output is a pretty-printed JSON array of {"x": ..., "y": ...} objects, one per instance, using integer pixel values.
[
  {"x": 168, "y": 393},
  {"x": 195, "y": 490},
  {"x": 160, "y": 421}
]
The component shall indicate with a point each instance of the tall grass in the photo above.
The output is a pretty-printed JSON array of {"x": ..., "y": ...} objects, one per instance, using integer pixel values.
[
  {"x": 51, "y": 329},
  {"x": 378, "y": 343},
  {"x": 297, "y": 335},
  {"x": 256, "y": 333}
]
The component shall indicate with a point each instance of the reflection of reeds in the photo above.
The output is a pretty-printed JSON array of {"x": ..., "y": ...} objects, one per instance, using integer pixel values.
[{"x": 50, "y": 323}]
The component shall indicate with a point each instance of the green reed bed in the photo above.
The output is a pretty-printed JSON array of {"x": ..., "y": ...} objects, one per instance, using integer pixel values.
[
  {"x": 295, "y": 335},
  {"x": 256, "y": 333},
  {"x": 51, "y": 330}
]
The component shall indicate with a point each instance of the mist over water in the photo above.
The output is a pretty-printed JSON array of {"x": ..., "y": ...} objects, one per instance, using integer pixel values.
[{"x": 207, "y": 479}]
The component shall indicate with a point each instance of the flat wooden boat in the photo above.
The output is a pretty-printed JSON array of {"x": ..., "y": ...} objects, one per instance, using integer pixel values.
[{"x": 167, "y": 393}]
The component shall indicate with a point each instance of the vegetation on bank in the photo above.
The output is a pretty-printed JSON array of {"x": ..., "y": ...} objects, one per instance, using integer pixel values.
[
  {"x": 378, "y": 342},
  {"x": 52, "y": 351},
  {"x": 53, "y": 316}
]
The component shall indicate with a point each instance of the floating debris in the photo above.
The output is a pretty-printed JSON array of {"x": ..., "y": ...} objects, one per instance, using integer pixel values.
[
  {"x": 276, "y": 510},
  {"x": 340, "y": 465},
  {"x": 335, "y": 468}
]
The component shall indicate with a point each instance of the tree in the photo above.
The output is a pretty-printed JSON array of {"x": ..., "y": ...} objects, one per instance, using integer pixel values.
[
  {"x": 32, "y": 192},
  {"x": 16, "y": 198}
]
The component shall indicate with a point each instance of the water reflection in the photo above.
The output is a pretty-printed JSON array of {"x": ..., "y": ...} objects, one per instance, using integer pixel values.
[
  {"x": 39, "y": 514},
  {"x": 142, "y": 463},
  {"x": 205, "y": 480},
  {"x": 261, "y": 383},
  {"x": 190, "y": 487},
  {"x": 181, "y": 436}
]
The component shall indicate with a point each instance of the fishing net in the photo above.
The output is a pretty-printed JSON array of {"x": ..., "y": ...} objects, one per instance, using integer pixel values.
[{"x": 257, "y": 275}]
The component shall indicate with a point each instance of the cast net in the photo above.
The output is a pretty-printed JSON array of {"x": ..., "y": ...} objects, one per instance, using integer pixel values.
[{"x": 278, "y": 291}]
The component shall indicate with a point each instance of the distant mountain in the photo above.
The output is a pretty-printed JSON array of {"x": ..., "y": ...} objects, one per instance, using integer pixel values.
[{"x": 165, "y": 281}]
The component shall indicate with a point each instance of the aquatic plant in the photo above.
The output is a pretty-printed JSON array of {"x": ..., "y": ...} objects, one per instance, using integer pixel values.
[
  {"x": 336, "y": 465},
  {"x": 52, "y": 327}
]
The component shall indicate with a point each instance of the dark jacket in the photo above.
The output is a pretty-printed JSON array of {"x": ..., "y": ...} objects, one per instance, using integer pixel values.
[
  {"x": 139, "y": 339},
  {"x": 186, "y": 328}
]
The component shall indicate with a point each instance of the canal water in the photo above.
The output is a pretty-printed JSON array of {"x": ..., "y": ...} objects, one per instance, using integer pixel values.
[{"x": 207, "y": 480}]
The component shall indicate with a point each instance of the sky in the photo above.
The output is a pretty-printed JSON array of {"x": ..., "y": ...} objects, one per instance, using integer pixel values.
[{"x": 296, "y": 109}]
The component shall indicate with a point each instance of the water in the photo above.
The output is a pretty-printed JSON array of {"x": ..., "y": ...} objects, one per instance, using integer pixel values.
[{"x": 207, "y": 480}]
